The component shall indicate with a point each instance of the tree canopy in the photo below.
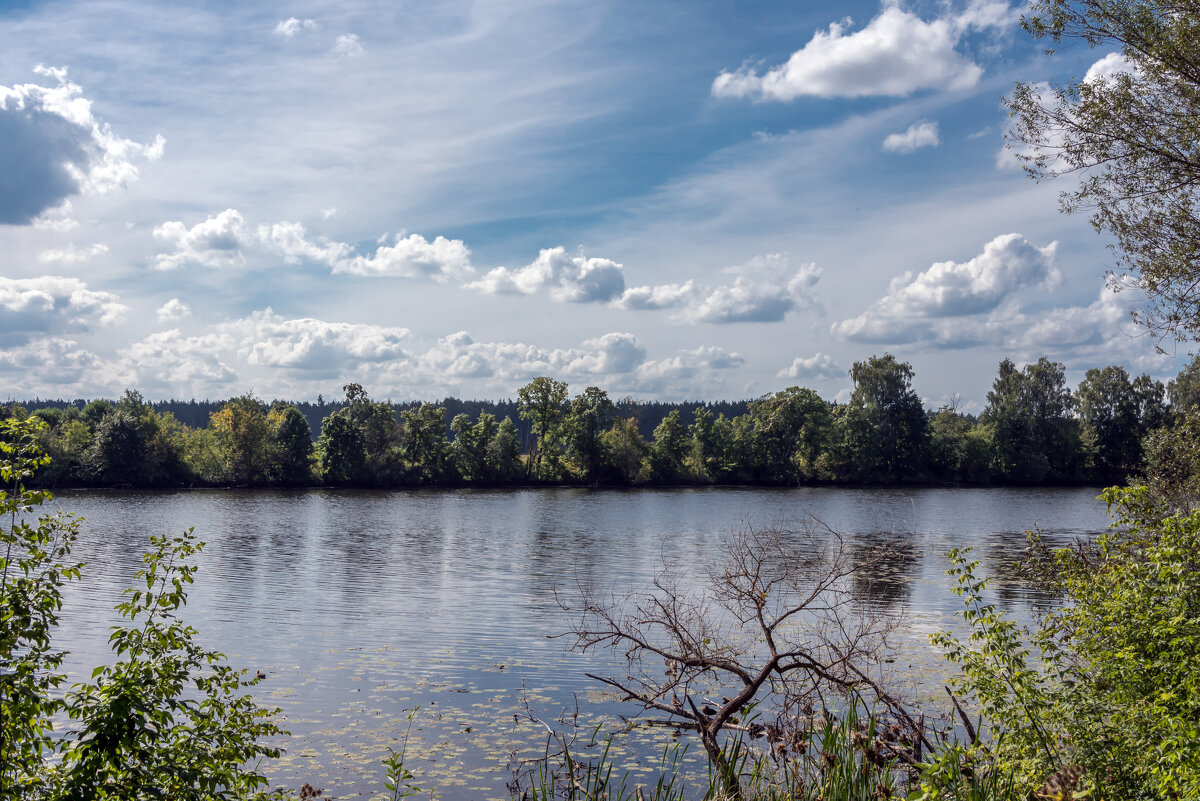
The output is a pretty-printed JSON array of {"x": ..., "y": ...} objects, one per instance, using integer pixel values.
[{"x": 1130, "y": 129}]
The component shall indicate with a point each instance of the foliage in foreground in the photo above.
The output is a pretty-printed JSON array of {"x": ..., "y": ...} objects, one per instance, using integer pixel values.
[
  {"x": 168, "y": 719},
  {"x": 1106, "y": 692}
]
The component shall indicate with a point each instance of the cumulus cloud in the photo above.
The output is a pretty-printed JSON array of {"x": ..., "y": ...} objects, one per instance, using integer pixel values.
[
  {"x": 460, "y": 356},
  {"x": 1076, "y": 327},
  {"x": 268, "y": 339},
  {"x": 217, "y": 242},
  {"x": 288, "y": 28},
  {"x": 413, "y": 257},
  {"x": 52, "y": 147},
  {"x": 290, "y": 239},
  {"x": 764, "y": 290},
  {"x": 51, "y": 304},
  {"x": 690, "y": 363},
  {"x": 575, "y": 279},
  {"x": 819, "y": 365},
  {"x": 56, "y": 219},
  {"x": 918, "y": 135},
  {"x": 54, "y": 361},
  {"x": 348, "y": 46},
  {"x": 1015, "y": 152},
  {"x": 173, "y": 309},
  {"x": 896, "y": 54},
  {"x": 169, "y": 362},
  {"x": 225, "y": 240},
  {"x": 915, "y": 304},
  {"x": 72, "y": 255},
  {"x": 664, "y": 296},
  {"x": 1109, "y": 67}
]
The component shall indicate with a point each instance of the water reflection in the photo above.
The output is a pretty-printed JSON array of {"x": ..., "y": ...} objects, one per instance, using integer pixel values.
[
  {"x": 885, "y": 566},
  {"x": 361, "y": 605}
]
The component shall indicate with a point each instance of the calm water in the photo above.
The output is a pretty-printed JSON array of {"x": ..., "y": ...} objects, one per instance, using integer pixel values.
[{"x": 361, "y": 606}]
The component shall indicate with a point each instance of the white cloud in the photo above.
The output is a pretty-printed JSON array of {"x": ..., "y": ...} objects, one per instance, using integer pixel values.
[
  {"x": 690, "y": 363},
  {"x": 611, "y": 353},
  {"x": 664, "y": 296},
  {"x": 173, "y": 309},
  {"x": 56, "y": 362},
  {"x": 225, "y": 240},
  {"x": 52, "y": 147},
  {"x": 459, "y": 356},
  {"x": 1074, "y": 327},
  {"x": 1099, "y": 333},
  {"x": 49, "y": 304},
  {"x": 764, "y": 290},
  {"x": 575, "y": 279},
  {"x": 897, "y": 53},
  {"x": 56, "y": 219},
  {"x": 1016, "y": 152},
  {"x": 288, "y": 28},
  {"x": 1008, "y": 265},
  {"x": 1109, "y": 67},
  {"x": 217, "y": 242},
  {"x": 71, "y": 254},
  {"x": 348, "y": 46},
  {"x": 413, "y": 257},
  {"x": 289, "y": 239},
  {"x": 267, "y": 339},
  {"x": 169, "y": 363},
  {"x": 818, "y": 366},
  {"x": 918, "y": 135}
]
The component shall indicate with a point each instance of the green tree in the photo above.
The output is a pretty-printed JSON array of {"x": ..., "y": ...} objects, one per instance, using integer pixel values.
[
  {"x": 705, "y": 450},
  {"x": 669, "y": 450},
  {"x": 504, "y": 452},
  {"x": 626, "y": 451},
  {"x": 1151, "y": 404},
  {"x": 892, "y": 445},
  {"x": 471, "y": 450},
  {"x": 203, "y": 455},
  {"x": 66, "y": 440},
  {"x": 360, "y": 443},
  {"x": 33, "y": 569},
  {"x": 341, "y": 456},
  {"x": 1133, "y": 138},
  {"x": 543, "y": 402},
  {"x": 244, "y": 435},
  {"x": 1184, "y": 389},
  {"x": 425, "y": 444},
  {"x": 1109, "y": 411},
  {"x": 291, "y": 445},
  {"x": 959, "y": 449},
  {"x": 589, "y": 415},
  {"x": 793, "y": 428},
  {"x": 118, "y": 447},
  {"x": 1171, "y": 464},
  {"x": 1029, "y": 413}
]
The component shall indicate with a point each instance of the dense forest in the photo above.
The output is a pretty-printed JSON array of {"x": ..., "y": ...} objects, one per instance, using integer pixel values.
[{"x": 1033, "y": 430}]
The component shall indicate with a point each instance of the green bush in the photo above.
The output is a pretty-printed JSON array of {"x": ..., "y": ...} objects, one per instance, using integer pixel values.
[
  {"x": 169, "y": 719},
  {"x": 1106, "y": 691}
]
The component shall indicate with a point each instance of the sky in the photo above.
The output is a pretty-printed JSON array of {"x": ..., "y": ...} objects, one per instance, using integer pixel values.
[{"x": 710, "y": 199}]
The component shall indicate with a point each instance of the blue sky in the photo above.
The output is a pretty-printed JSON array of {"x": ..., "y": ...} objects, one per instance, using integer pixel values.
[{"x": 666, "y": 200}]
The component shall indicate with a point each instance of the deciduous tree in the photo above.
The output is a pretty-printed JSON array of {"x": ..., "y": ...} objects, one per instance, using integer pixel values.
[{"x": 1132, "y": 135}]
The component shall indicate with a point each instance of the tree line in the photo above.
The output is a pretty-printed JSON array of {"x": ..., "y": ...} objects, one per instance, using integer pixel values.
[{"x": 1034, "y": 429}]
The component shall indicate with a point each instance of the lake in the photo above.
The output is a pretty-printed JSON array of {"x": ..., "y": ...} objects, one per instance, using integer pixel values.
[{"x": 362, "y": 606}]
